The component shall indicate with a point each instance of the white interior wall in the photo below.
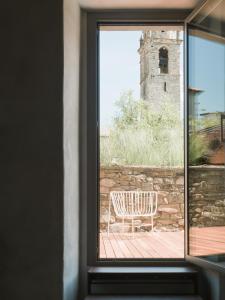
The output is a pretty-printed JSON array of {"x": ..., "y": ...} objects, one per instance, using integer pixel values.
[{"x": 71, "y": 136}]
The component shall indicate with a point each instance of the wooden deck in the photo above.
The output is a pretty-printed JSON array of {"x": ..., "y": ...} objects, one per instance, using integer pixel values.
[
  {"x": 203, "y": 241},
  {"x": 207, "y": 240},
  {"x": 142, "y": 245}
]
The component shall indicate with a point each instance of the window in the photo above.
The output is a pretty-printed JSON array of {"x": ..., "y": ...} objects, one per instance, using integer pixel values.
[
  {"x": 122, "y": 163},
  {"x": 204, "y": 122},
  {"x": 206, "y": 156},
  {"x": 141, "y": 176},
  {"x": 163, "y": 60}
]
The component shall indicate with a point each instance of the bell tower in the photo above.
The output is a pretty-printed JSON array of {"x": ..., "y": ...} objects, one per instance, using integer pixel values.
[{"x": 160, "y": 72}]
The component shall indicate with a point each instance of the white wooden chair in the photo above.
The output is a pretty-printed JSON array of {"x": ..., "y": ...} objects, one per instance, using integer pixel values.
[{"x": 133, "y": 204}]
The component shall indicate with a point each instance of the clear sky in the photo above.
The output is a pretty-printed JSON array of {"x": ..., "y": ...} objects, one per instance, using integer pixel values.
[
  {"x": 207, "y": 73},
  {"x": 119, "y": 69}
]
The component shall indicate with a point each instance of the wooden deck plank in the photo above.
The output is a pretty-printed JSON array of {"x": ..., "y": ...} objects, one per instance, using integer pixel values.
[
  {"x": 148, "y": 246},
  {"x": 124, "y": 247},
  {"x": 141, "y": 245},
  {"x": 202, "y": 249},
  {"x": 174, "y": 245},
  {"x": 108, "y": 248},
  {"x": 177, "y": 237},
  {"x": 207, "y": 240},
  {"x": 102, "y": 253},
  {"x": 140, "y": 248},
  {"x": 203, "y": 241},
  {"x": 116, "y": 247},
  {"x": 134, "y": 250},
  {"x": 165, "y": 248},
  {"x": 152, "y": 241}
]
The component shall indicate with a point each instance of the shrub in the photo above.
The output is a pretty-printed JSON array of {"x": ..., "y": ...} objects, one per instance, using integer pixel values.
[
  {"x": 197, "y": 150},
  {"x": 143, "y": 134}
]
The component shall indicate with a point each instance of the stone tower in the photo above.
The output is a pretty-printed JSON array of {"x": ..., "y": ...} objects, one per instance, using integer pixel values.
[{"x": 160, "y": 65}]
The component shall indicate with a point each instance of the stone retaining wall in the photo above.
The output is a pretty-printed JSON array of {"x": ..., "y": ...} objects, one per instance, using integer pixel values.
[
  {"x": 168, "y": 181},
  {"x": 207, "y": 196}
]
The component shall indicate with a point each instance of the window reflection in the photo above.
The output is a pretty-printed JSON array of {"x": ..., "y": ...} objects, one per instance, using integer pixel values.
[{"x": 206, "y": 105}]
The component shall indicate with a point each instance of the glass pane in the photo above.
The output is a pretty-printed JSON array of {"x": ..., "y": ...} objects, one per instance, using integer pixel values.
[
  {"x": 141, "y": 177},
  {"x": 206, "y": 135}
]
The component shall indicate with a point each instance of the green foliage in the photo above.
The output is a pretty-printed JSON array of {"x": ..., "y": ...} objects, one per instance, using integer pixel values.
[
  {"x": 141, "y": 114},
  {"x": 144, "y": 135},
  {"x": 200, "y": 145},
  {"x": 197, "y": 150}
]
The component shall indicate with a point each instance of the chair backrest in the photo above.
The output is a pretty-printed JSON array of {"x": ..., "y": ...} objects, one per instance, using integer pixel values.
[{"x": 134, "y": 203}]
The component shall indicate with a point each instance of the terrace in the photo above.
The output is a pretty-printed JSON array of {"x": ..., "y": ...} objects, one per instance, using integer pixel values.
[
  {"x": 206, "y": 211},
  {"x": 142, "y": 245},
  {"x": 209, "y": 241}
]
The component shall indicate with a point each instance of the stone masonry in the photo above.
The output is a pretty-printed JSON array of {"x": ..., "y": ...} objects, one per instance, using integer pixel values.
[
  {"x": 206, "y": 195},
  {"x": 154, "y": 85},
  {"x": 168, "y": 181}
]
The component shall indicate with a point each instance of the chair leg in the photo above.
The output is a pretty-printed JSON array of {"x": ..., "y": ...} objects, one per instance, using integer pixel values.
[
  {"x": 152, "y": 223},
  {"x": 109, "y": 216},
  {"x": 132, "y": 227},
  {"x": 108, "y": 226}
]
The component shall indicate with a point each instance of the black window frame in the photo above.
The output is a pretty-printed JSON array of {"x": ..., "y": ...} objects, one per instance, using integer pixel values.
[{"x": 89, "y": 134}]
